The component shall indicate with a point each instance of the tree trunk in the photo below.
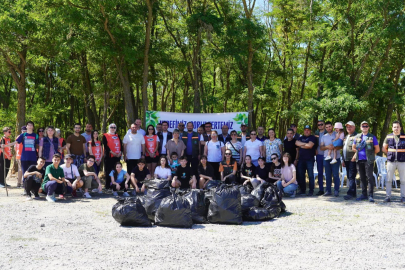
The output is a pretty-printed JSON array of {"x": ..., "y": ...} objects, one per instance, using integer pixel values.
[
  {"x": 197, "y": 105},
  {"x": 90, "y": 104},
  {"x": 123, "y": 74}
]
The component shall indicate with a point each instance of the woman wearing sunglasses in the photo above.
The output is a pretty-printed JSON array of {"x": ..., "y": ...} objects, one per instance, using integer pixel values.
[
  {"x": 228, "y": 168},
  {"x": 151, "y": 148}
]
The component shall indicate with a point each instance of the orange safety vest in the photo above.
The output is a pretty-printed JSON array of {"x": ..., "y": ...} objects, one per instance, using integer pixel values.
[
  {"x": 96, "y": 150},
  {"x": 7, "y": 150},
  {"x": 150, "y": 143},
  {"x": 60, "y": 144},
  {"x": 18, "y": 151},
  {"x": 113, "y": 142}
]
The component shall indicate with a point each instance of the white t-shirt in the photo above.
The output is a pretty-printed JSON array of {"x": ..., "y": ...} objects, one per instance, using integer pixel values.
[
  {"x": 253, "y": 148},
  {"x": 134, "y": 145},
  {"x": 72, "y": 172},
  {"x": 214, "y": 153},
  {"x": 163, "y": 173},
  {"x": 288, "y": 173},
  {"x": 164, "y": 151}
]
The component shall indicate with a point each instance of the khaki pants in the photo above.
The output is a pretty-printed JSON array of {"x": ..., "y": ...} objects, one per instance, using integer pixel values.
[
  {"x": 391, "y": 167},
  {"x": 89, "y": 182}
]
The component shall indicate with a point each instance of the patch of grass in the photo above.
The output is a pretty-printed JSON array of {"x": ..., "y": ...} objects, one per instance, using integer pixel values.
[{"x": 24, "y": 239}]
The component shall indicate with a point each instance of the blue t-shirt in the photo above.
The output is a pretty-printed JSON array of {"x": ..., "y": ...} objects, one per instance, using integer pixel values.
[
  {"x": 120, "y": 176},
  {"x": 28, "y": 153},
  {"x": 307, "y": 154},
  {"x": 362, "y": 152},
  {"x": 173, "y": 166},
  {"x": 189, "y": 144}
]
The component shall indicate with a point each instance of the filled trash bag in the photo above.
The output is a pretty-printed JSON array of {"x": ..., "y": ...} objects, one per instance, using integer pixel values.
[
  {"x": 157, "y": 183},
  {"x": 248, "y": 201},
  {"x": 141, "y": 198},
  {"x": 258, "y": 192},
  {"x": 271, "y": 197},
  {"x": 196, "y": 199},
  {"x": 257, "y": 214},
  {"x": 225, "y": 206},
  {"x": 152, "y": 201},
  {"x": 246, "y": 189},
  {"x": 174, "y": 211},
  {"x": 283, "y": 206},
  {"x": 130, "y": 212},
  {"x": 274, "y": 211},
  {"x": 213, "y": 184}
]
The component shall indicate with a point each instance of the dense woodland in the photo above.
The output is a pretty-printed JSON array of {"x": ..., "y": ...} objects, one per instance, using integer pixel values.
[{"x": 97, "y": 61}]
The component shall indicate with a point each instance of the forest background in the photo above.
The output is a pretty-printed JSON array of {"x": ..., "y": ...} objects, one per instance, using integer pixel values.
[{"x": 284, "y": 61}]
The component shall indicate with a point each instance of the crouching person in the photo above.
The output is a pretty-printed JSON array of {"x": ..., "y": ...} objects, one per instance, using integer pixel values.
[
  {"x": 138, "y": 175},
  {"x": 89, "y": 177},
  {"x": 228, "y": 168},
  {"x": 54, "y": 180},
  {"x": 72, "y": 174},
  {"x": 288, "y": 183},
  {"x": 119, "y": 180},
  {"x": 33, "y": 178},
  {"x": 184, "y": 178}
]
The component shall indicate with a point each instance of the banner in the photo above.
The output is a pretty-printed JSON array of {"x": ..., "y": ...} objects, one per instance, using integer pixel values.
[{"x": 232, "y": 120}]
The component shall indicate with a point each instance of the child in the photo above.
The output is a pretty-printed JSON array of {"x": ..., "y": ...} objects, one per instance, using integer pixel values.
[
  {"x": 184, "y": 178},
  {"x": 174, "y": 163},
  {"x": 338, "y": 141}
]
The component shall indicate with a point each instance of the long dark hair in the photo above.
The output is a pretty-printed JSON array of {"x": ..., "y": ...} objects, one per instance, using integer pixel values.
[
  {"x": 203, "y": 156},
  {"x": 167, "y": 163},
  {"x": 93, "y": 143},
  {"x": 273, "y": 166},
  {"x": 147, "y": 130},
  {"x": 115, "y": 170},
  {"x": 232, "y": 160},
  {"x": 289, "y": 159}
]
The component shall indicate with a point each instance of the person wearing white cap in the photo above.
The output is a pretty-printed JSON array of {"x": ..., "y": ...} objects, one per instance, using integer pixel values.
[
  {"x": 348, "y": 160},
  {"x": 337, "y": 142}
]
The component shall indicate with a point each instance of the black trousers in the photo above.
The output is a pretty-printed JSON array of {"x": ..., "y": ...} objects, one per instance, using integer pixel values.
[
  {"x": 31, "y": 186},
  {"x": 109, "y": 164},
  {"x": 366, "y": 177},
  {"x": 215, "y": 165},
  {"x": 193, "y": 163},
  {"x": 122, "y": 185},
  {"x": 4, "y": 163}
]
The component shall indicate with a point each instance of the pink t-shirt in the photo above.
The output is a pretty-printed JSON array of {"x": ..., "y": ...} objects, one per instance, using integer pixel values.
[{"x": 288, "y": 173}]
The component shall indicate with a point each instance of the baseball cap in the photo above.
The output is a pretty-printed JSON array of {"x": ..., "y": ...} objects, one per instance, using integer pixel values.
[
  {"x": 350, "y": 123},
  {"x": 68, "y": 156},
  {"x": 364, "y": 122},
  {"x": 307, "y": 127}
]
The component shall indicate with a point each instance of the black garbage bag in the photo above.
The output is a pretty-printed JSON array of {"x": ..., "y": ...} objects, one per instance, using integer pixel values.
[
  {"x": 196, "y": 198},
  {"x": 246, "y": 189},
  {"x": 257, "y": 214},
  {"x": 152, "y": 200},
  {"x": 283, "y": 207},
  {"x": 274, "y": 211},
  {"x": 225, "y": 206},
  {"x": 271, "y": 197},
  {"x": 174, "y": 211},
  {"x": 258, "y": 192},
  {"x": 157, "y": 183},
  {"x": 130, "y": 212},
  {"x": 248, "y": 201},
  {"x": 141, "y": 198},
  {"x": 213, "y": 184}
]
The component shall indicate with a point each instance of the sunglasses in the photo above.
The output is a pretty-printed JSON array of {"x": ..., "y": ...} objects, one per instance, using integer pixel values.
[
  {"x": 364, "y": 126},
  {"x": 40, "y": 131},
  {"x": 234, "y": 134},
  {"x": 274, "y": 158},
  {"x": 319, "y": 125},
  {"x": 113, "y": 127}
]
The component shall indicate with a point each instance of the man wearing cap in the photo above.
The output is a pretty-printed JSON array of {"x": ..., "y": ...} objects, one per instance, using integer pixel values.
[
  {"x": 306, "y": 160},
  {"x": 351, "y": 166},
  {"x": 243, "y": 136},
  {"x": 366, "y": 146},
  {"x": 319, "y": 155},
  {"x": 394, "y": 148},
  {"x": 326, "y": 143}
]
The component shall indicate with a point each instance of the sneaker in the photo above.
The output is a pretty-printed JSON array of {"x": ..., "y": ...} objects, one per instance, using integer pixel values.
[
  {"x": 387, "y": 199},
  {"x": 19, "y": 186},
  {"x": 320, "y": 193},
  {"x": 28, "y": 198},
  {"x": 327, "y": 193},
  {"x": 310, "y": 193},
  {"x": 95, "y": 190},
  {"x": 361, "y": 198},
  {"x": 79, "y": 190},
  {"x": 37, "y": 198},
  {"x": 50, "y": 199},
  {"x": 293, "y": 194},
  {"x": 348, "y": 197},
  {"x": 86, "y": 195},
  {"x": 133, "y": 193},
  {"x": 333, "y": 161},
  {"x": 125, "y": 194},
  {"x": 115, "y": 193},
  {"x": 61, "y": 197},
  {"x": 2, "y": 186},
  {"x": 328, "y": 157},
  {"x": 370, "y": 199},
  {"x": 336, "y": 193}
]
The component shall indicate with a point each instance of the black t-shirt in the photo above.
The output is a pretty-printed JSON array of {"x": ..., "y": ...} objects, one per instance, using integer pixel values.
[
  {"x": 262, "y": 173},
  {"x": 184, "y": 176},
  {"x": 276, "y": 170},
  {"x": 33, "y": 168},
  {"x": 290, "y": 148},
  {"x": 209, "y": 171},
  {"x": 248, "y": 171},
  {"x": 140, "y": 175}
]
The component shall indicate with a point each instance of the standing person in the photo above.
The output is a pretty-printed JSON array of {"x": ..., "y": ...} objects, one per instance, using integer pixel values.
[
  {"x": 134, "y": 147},
  {"x": 76, "y": 145},
  {"x": 272, "y": 145},
  {"x": 89, "y": 177},
  {"x": 205, "y": 172},
  {"x": 62, "y": 143},
  {"x": 366, "y": 146},
  {"x": 112, "y": 152},
  {"x": 49, "y": 145},
  {"x": 260, "y": 134},
  {"x": 180, "y": 127},
  {"x": 275, "y": 169},
  {"x": 244, "y": 134},
  {"x": 294, "y": 128},
  {"x": 5, "y": 156},
  {"x": 291, "y": 148},
  {"x": 206, "y": 136},
  {"x": 288, "y": 183},
  {"x": 163, "y": 171},
  {"x": 228, "y": 168},
  {"x": 319, "y": 155},
  {"x": 138, "y": 175},
  {"x": 337, "y": 142},
  {"x": 201, "y": 132},
  {"x": 331, "y": 169},
  {"x": 394, "y": 148},
  {"x": 306, "y": 160},
  {"x": 34, "y": 176},
  {"x": 87, "y": 135},
  {"x": 71, "y": 173},
  {"x": 351, "y": 166},
  {"x": 138, "y": 123},
  {"x": 40, "y": 132},
  {"x": 224, "y": 137},
  {"x": 164, "y": 137},
  {"x": 192, "y": 142},
  {"x": 175, "y": 145},
  {"x": 151, "y": 148},
  {"x": 158, "y": 129},
  {"x": 119, "y": 180},
  {"x": 214, "y": 150},
  {"x": 184, "y": 178},
  {"x": 18, "y": 149},
  {"x": 253, "y": 148},
  {"x": 95, "y": 149},
  {"x": 236, "y": 147}
]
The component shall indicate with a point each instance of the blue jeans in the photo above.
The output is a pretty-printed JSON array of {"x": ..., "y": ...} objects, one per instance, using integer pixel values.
[
  {"x": 319, "y": 166},
  {"x": 288, "y": 189},
  {"x": 351, "y": 169},
  {"x": 332, "y": 169},
  {"x": 306, "y": 166}
]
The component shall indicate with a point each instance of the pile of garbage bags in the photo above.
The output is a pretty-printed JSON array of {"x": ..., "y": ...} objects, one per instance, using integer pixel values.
[{"x": 219, "y": 204}]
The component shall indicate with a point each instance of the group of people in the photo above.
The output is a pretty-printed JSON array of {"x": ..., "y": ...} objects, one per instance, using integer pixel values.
[{"x": 189, "y": 159}]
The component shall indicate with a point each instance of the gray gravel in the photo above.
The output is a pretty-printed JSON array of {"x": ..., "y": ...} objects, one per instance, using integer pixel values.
[{"x": 315, "y": 233}]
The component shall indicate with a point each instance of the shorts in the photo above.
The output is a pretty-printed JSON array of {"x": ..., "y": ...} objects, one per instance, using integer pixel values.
[
  {"x": 151, "y": 159},
  {"x": 338, "y": 142}
]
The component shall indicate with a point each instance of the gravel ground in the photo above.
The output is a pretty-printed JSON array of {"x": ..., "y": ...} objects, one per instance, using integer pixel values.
[{"x": 327, "y": 233}]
